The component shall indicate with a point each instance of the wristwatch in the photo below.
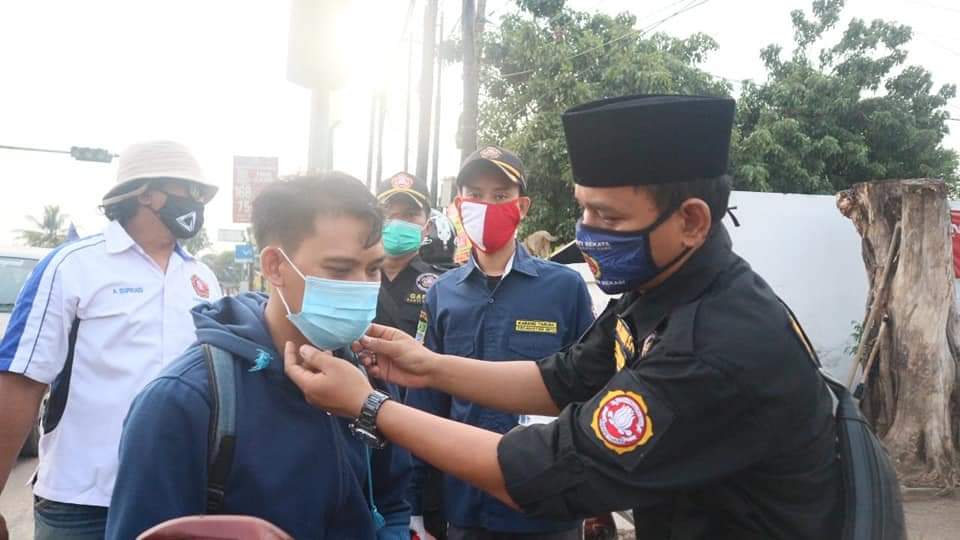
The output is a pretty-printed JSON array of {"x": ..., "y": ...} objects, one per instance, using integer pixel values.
[{"x": 365, "y": 426}]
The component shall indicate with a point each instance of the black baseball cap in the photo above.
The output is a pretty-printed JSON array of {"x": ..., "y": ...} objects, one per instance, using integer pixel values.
[
  {"x": 405, "y": 184},
  {"x": 505, "y": 160}
]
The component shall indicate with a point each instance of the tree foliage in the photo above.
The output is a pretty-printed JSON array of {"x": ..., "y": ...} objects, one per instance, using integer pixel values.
[
  {"x": 198, "y": 243},
  {"x": 546, "y": 58},
  {"x": 229, "y": 273},
  {"x": 852, "y": 112},
  {"x": 50, "y": 231},
  {"x": 825, "y": 117}
]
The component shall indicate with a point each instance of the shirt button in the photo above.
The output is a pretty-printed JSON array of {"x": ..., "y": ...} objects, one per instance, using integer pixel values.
[{"x": 490, "y": 301}]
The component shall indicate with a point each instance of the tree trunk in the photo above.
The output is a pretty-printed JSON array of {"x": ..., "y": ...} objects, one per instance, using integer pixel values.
[{"x": 912, "y": 393}]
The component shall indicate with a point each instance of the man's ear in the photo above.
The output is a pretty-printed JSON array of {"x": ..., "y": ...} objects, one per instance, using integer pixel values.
[
  {"x": 270, "y": 261},
  {"x": 697, "y": 220},
  {"x": 524, "y": 203},
  {"x": 147, "y": 198}
]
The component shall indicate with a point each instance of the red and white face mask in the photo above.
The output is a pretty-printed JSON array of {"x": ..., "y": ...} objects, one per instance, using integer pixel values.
[{"x": 489, "y": 226}]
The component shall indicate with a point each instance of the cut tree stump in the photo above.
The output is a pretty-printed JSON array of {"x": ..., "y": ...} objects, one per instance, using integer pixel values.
[{"x": 912, "y": 396}]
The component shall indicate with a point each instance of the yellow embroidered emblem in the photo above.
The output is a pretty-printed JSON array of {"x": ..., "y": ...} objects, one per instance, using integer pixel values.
[
  {"x": 623, "y": 345},
  {"x": 622, "y": 421},
  {"x": 538, "y": 327}
]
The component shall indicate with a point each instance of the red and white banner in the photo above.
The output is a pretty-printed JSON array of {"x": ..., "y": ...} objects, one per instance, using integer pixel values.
[
  {"x": 955, "y": 234},
  {"x": 250, "y": 175}
]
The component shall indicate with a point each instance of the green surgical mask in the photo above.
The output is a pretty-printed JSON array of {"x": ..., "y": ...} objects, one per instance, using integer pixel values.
[{"x": 401, "y": 237}]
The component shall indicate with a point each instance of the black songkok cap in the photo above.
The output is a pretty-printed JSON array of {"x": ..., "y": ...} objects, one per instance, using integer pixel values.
[{"x": 648, "y": 139}]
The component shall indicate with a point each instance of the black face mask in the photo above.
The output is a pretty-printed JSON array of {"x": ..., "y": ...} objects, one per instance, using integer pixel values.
[{"x": 182, "y": 215}]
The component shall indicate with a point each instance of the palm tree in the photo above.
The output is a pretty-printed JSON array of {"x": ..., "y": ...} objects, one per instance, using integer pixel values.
[{"x": 50, "y": 230}]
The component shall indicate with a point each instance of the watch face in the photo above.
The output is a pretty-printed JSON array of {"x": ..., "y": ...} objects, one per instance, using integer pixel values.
[{"x": 366, "y": 437}]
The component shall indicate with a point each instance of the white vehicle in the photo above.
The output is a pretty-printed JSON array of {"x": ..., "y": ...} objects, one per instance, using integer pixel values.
[{"x": 16, "y": 263}]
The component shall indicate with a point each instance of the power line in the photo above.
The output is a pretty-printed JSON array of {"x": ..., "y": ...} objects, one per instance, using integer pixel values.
[
  {"x": 637, "y": 31},
  {"x": 29, "y": 149},
  {"x": 935, "y": 6}
]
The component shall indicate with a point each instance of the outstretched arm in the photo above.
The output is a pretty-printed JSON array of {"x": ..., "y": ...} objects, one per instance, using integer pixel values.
[
  {"x": 458, "y": 449},
  {"x": 515, "y": 387}
]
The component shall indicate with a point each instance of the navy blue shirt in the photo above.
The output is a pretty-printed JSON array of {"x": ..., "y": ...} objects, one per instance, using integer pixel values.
[
  {"x": 294, "y": 465},
  {"x": 536, "y": 309}
]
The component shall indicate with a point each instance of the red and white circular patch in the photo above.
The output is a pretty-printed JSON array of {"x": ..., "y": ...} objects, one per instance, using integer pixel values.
[
  {"x": 622, "y": 422},
  {"x": 401, "y": 181},
  {"x": 200, "y": 286},
  {"x": 592, "y": 265},
  {"x": 491, "y": 152}
]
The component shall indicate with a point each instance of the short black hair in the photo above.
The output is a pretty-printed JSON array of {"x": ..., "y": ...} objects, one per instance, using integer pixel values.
[
  {"x": 713, "y": 191},
  {"x": 286, "y": 210}
]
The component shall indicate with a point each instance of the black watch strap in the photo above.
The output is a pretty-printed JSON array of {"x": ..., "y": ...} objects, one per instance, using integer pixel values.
[{"x": 365, "y": 426}]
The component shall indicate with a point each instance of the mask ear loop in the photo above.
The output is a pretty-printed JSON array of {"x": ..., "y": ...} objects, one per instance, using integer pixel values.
[{"x": 295, "y": 269}]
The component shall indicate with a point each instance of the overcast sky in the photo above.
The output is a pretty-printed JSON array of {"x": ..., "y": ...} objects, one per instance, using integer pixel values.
[{"x": 212, "y": 74}]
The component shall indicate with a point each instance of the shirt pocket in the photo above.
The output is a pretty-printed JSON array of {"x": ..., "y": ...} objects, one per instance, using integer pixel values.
[
  {"x": 533, "y": 346},
  {"x": 460, "y": 344}
]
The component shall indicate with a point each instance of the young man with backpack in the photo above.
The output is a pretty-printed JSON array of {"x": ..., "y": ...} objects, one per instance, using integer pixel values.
[{"x": 223, "y": 431}]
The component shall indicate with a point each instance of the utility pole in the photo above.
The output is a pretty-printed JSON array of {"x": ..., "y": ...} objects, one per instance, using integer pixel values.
[
  {"x": 471, "y": 80},
  {"x": 436, "y": 121},
  {"x": 317, "y": 157},
  {"x": 371, "y": 131},
  {"x": 426, "y": 87},
  {"x": 406, "y": 121},
  {"x": 312, "y": 64},
  {"x": 382, "y": 103}
]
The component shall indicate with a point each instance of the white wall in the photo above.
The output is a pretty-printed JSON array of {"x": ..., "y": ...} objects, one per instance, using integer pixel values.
[{"x": 810, "y": 255}]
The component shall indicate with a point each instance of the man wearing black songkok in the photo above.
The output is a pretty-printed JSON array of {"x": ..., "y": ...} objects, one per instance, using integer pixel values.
[{"x": 695, "y": 397}]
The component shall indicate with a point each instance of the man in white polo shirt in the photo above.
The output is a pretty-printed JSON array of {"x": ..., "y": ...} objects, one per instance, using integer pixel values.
[{"x": 96, "y": 321}]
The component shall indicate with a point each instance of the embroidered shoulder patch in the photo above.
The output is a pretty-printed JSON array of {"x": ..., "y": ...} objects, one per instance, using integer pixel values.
[
  {"x": 200, "y": 286},
  {"x": 538, "y": 327},
  {"x": 624, "y": 347},
  {"x": 622, "y": 422},
  {"x": 425, "y": 281}
]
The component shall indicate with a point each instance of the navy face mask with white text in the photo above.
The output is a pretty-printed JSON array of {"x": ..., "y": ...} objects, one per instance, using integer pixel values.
[{"x": 621, "y": 261}]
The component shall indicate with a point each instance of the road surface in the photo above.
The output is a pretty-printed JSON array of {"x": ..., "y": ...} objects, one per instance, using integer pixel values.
[{"x": 16, "y": 502}]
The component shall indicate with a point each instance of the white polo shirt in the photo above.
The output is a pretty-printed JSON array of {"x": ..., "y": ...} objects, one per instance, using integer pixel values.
[{"x": 97, "y": 320}]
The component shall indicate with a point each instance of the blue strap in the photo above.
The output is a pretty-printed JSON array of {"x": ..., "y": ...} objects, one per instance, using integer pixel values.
[
  {"x": 261, "y": 361},
  {"x": 223, "y": 424},
  {"x": 378, "y": 520}
]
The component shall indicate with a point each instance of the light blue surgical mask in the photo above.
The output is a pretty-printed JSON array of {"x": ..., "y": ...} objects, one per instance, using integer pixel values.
[{"x": 333, "y": 313}]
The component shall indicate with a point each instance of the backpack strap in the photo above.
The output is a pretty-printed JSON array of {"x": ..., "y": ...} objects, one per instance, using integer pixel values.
[
  {"x": 221, "y": 370},
  {"x": 873, "y": 507}
]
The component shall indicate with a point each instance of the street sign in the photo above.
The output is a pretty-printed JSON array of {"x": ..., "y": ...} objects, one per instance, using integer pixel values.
[
  {"x": 250, "y": 174},
  {"x": 91, "y": 154},
  {"x": 234, "y": 236},
  {"x": 243, "y": 254}
]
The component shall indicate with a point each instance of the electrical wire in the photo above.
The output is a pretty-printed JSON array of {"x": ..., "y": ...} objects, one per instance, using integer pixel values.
[{"x": 634, "y": 31}]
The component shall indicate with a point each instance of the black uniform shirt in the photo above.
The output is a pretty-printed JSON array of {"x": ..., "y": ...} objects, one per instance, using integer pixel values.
[
  {"x": 401, "y": 300},
  {"x": 695, "y": 402}
]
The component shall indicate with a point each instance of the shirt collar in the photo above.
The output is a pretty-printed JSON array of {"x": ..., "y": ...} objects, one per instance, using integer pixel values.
[
  {"x": 713, "y": 258},
  {"x": 521, "y": 261},
  {"x": 117, "y": 238},
  {"x": 184, "y": 254}
]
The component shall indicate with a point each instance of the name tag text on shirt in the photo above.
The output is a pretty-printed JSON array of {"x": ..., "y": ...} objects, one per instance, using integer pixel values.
[{"x": 539, "y": 327}]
